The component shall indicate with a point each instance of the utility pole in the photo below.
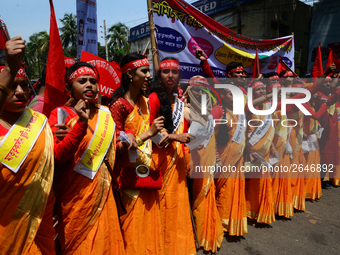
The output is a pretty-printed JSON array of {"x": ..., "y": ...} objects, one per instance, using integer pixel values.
[
  {"x": 106, "y": 51},
  {"x": 239, "y": 24}
]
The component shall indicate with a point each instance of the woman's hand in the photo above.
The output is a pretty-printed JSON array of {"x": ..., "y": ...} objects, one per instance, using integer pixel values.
[
  {"x": 62, "y": 131},
  {"x": 200, "y": 54},
  {"x": 15, "y": 49},
  {"x": 182, "y": 138},
  {"x": 82, "y": 108},
  {"x": 157, "y": 125},
  {"x": 165, "y": 140}
]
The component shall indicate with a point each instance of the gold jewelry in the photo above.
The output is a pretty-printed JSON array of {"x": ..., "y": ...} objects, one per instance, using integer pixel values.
[
  {"x": 139, "y": 140},
  {"x": 5, "y": 89},
  {"x": 164, "y": 130}
]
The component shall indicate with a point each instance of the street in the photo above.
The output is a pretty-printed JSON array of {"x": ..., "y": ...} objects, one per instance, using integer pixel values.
[{"x": 314, "y": 231}]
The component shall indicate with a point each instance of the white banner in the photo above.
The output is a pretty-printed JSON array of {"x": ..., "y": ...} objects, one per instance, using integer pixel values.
[
  {"x": 87, "y": 27},
  {"x": 180, "y": 30}
]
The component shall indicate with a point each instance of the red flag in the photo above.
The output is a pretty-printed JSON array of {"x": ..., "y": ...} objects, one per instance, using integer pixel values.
[
  {"x": 318, "y": 69},
  {"x": 282, "y": 66},
  {"x": 332, "y": 58},
  {"x": 55, "y": 94},
  {"x": 109, "y": 73},
  {"x": 3, "y": 37},
  {"x": 257, "y": 67},
  {"x": 69, "y": 61}
]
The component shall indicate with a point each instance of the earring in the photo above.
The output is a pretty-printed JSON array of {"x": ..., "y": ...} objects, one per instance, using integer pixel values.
[{"x": 131, "y": 80}]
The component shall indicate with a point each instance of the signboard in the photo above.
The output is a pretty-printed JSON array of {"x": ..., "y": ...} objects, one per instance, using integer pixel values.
[
  {"x": 213, "y": 6},
  {"x": 139, "y": 31},
  {"x": 87, "y": 27}
]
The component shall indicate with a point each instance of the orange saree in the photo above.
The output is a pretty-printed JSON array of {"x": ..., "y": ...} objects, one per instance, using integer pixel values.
[
  {"x": 141, "y": 225},
  {"x": 26, "y": 225},
  {"x": 230, "y": 186},
  {"x": 281, "y": 182},
  {"x": 259, "y": 196},
  {"x": 87, "y": 213}
]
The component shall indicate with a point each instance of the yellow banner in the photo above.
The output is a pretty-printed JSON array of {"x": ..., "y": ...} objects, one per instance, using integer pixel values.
[
  {"x": 20, "y": 139},
  {"x": 98, "y": 146},
  {"x": 144, "y": 127}
]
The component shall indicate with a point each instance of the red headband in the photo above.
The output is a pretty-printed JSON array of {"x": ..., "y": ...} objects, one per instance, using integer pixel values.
[
  {"x": 257, "y": 84},
  {"x": 239, "y": 68},
  {"x": 198, "y": 81},
  {"x": 169, "y": 64},
  {"x": 84, "y": 70},
  {"x": 297, "y": 85},
  {"x": 274, "y": 77},
  {"x": 289, "y": 73},
  {"x": 328, "y": 78},
  {"x": 20, "y": 74},
  {"x": 270, "y": 87},
  {"x": 135, "y": 64}
]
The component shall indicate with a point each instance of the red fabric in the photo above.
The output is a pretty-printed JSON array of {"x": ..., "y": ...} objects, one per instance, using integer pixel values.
[
  {"x": 69, "y": 61},
  {"x": 256, "y": 67},
  {"x": 332, "y": 58},
  {"x": 65, "y": 149},
  {"x": 225, "y": 33},
  {"x": 283, "y": 67},
  {"x": 54, "y": 94},
  {"x": 3, "y": 38},
  {"x": 120, "y": 111},
  {"x": 109, "y": 73},
  {"x": 217, "y": 112},
  {"x": 3, "y": 130},
  {"x": 318, "y": 69},
  {"x": 154, "y": 106}
]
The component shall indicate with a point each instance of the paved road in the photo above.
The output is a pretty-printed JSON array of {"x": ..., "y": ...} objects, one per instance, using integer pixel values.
[{"x": 314, "y": 231}]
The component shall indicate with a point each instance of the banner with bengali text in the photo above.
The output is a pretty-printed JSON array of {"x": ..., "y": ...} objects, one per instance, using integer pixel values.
[{"x": 181, "y": 28}]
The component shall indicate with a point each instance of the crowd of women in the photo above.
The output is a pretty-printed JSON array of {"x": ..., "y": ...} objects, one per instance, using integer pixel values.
[{"x": 121, "y": 179}]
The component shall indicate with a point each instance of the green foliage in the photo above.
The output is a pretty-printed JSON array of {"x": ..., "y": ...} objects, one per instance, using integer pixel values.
[{"x": 118, "y": 44}]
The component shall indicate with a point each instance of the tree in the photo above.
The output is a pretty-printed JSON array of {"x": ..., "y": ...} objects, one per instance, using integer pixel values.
[
  {"x": 68, "y": 34},
  {"x": 118, "y": 41},
  {"x": 36, "y": 53}
]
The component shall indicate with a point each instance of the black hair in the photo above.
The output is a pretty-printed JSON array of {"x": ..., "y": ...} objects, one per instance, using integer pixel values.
[
  {"x": 267, "y": 75},
  {"x": 76, "y": 66},
  {"x": 3, "y": 57},
  {"x": 81, "y": 22},
  {"x": 165, "y": 109},
  {"x": 282, "y": 73},
  {"x": 124, "y": 79},
  {"x": 232, "y": 65}
]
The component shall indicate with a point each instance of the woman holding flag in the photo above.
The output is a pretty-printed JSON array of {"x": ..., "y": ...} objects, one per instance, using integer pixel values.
[
  {"x": 26, "y": 163},
  {"x": 141, "y": 225},
  {"x": 87, "y": 214}
]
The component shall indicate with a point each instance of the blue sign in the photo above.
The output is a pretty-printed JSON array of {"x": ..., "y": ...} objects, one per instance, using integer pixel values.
[
  {"x": 169, "y": 40},
  {"x": 139, "y": 31},
  {"x": 213, "y": 6}
]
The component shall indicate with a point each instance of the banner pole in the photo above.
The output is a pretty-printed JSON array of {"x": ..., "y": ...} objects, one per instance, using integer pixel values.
[{"x": 152, "y": 37}]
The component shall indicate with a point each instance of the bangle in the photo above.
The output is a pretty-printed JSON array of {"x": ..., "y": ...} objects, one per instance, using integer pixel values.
[
  {"x": 139, "y": 140},
  {"x": 5, "y": 89}
]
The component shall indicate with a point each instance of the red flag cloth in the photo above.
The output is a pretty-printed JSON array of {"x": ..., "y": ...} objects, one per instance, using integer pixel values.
[
  {"x": 318, "y": 69},
  {"x": 69, "y": 61},
  {"x": 3, "y": 38},
  {"x": 283, "y": 67},
  {"x": 332, "y": 58},
  {"x": 109, "y": 73},
  {"x": 55, "y": 94},
  {"x": 257, "y": 67}
]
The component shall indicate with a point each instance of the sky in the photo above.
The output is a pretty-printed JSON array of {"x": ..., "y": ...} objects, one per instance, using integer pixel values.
[{"x": 26, "y": 17}]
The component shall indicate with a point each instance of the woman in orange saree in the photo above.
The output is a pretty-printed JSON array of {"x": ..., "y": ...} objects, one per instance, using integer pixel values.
[
  {"x": 203, "y": 156},
  {"x": 141, "y": 225},
  {"x": 170, "y": 160},
  {"x": 84, "y": 137},
  {"x": 26, "y": 164},
  {"x": 230, "y": 185}
]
